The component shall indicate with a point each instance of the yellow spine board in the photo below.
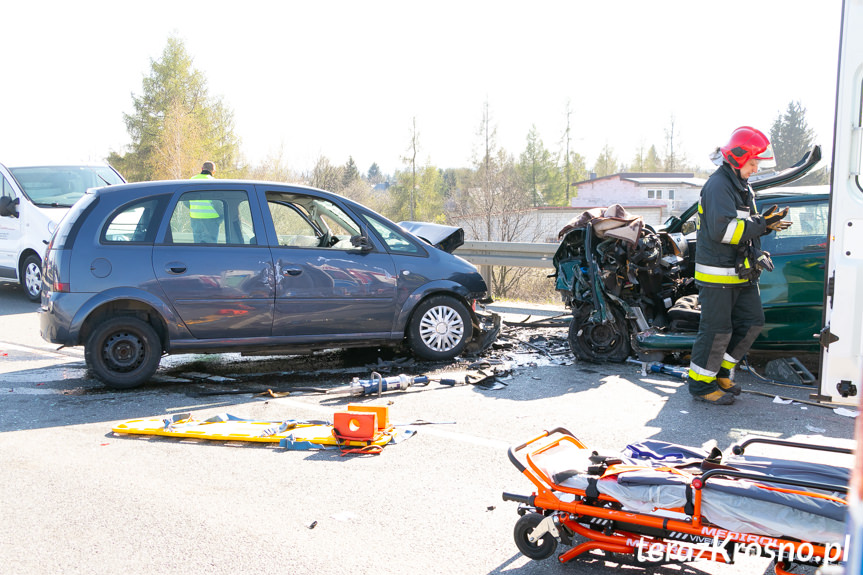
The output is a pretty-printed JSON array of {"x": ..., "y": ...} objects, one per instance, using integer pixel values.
[{"x": 246, "y": 431}]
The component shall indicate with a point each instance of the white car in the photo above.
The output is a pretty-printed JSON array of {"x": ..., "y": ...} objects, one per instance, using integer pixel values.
[{"x": 33, "y": 200}]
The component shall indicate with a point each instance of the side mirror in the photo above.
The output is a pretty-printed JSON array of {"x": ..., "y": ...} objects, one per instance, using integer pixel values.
[
  {"x": 8, "y": 207},
  {"x": 362, "y": 242}
]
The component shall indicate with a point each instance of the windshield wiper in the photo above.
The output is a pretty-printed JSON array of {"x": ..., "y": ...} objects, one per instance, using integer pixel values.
[{"x": 98, "y": 175}]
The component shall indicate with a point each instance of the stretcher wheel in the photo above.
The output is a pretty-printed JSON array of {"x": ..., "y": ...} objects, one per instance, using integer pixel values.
[{"x": 539, "y": 550}]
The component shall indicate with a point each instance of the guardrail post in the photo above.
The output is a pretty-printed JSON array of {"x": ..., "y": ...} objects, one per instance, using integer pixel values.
[{"x": 485, "y": 272}]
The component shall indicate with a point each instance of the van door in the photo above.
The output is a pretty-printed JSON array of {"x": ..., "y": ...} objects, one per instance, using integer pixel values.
[
  {"x": 10, "y": 233},
  {"x": 793, "y": 293},
  {"x": 842, "y": 338}
]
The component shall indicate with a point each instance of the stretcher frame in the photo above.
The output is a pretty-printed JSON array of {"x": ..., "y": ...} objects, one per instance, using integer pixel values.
[{"x": 547, "y": 520}]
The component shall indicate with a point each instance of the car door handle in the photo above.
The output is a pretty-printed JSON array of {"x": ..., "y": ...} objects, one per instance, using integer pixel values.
[
  {"x": 291, "y": 271},
  {"x": 175, "y": 268}
]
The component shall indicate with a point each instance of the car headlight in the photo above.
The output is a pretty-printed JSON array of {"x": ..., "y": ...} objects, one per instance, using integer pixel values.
[{"x": 52, "y": 225}]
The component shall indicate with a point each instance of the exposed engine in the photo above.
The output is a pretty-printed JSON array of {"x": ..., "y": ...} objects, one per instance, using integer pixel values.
[{"x": 618, "y": 285}]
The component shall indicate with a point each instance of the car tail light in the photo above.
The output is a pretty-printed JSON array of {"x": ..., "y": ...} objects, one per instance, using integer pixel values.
[
  {"x": 473, "y": 304},
  {"x": 49, "y": 275}
]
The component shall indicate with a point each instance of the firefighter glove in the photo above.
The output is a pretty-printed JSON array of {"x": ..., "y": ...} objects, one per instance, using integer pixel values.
[
  {"x": 751, "y": 262},
  {"x": 762, "y": 259},
  {"x": 773, "y": 218},
  {"x": 745, "y": 267}
]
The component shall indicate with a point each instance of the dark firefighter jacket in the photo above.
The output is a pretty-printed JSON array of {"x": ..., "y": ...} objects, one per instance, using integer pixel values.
[{"x": 728, "y": 221}]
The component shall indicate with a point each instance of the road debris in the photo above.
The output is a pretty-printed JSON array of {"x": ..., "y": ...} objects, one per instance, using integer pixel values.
[{"x": 379, "y": 384}]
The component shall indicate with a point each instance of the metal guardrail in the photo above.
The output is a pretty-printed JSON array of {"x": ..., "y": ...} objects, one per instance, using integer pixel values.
[{"x": 521, "y": 254}]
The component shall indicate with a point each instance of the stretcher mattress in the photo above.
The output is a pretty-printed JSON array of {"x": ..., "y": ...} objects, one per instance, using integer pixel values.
[{"x": 737, "y": 505}]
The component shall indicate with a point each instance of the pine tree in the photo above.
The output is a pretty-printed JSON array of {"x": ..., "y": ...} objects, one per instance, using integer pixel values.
[
  {"x": 606, "y": 163},
  {"x": 374, "y": 174},
  {"x": 790, "y": 135},
  {"x": 350, "y": 173},
  {"x": 176, "y": 124},
  {"x": 539, "y": 172},
  {"x": 791, "y": 138}
]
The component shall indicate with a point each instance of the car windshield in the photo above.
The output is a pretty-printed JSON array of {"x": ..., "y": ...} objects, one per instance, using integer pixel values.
[{"x": 61, "y": 186}]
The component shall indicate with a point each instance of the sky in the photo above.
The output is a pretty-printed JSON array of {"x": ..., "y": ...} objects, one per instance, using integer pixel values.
[{"x": 345, "y": 78}]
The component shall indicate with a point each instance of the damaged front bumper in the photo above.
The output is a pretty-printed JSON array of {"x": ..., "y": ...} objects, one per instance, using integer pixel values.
[{"x": 486, "y": 328}]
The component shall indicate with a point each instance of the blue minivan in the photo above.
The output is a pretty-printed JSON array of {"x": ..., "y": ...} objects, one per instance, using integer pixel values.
[{"x": 132, "y": 273}]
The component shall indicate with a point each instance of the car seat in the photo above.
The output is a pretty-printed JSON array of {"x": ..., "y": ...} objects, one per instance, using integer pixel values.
[{"x": 685, "y": 314}]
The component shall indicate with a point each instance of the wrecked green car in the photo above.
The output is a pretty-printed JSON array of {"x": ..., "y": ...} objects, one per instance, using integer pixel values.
[{"x": 631, "y": 289}]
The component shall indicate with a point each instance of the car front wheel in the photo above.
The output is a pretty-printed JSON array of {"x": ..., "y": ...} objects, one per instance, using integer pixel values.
[
  {"x": 123, "y": 352},
  {"x": 599, "y": 341},
  {"x": 440, "y": 328},
  {"x": 31, "y": 277}
]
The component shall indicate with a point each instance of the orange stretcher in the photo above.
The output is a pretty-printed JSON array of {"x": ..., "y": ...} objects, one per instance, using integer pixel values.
[{"x": 659, "y": 503}]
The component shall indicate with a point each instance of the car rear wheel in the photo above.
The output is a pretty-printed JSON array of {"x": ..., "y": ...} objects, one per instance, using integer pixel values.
[
  {"x": 123, "y": 352},
  {"x": 31, "y": 277},
  {"x": 440, "y": 328}
]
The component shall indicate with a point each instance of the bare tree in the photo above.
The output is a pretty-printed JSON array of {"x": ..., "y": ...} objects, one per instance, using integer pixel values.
[
  {"x": 495, "y": 205},
  {"x": 274, "y": 168},
  {"x": 411, "y": 160},
  {"x": 567, "y": 169},
  {"x": 326, "y": 176},
  {"x": 674, "y": 160}
]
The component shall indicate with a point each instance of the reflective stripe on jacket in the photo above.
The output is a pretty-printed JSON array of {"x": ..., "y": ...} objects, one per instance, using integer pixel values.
[
  {"x": 712, "y": 275},
  {"x": 202, "y": 210}
]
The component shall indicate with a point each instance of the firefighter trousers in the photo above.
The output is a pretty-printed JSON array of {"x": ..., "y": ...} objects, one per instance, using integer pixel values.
[{"x": 731, "y": 319}]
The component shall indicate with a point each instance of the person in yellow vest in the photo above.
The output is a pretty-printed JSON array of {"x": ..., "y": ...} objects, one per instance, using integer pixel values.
[{"x": 205, "y": 216}]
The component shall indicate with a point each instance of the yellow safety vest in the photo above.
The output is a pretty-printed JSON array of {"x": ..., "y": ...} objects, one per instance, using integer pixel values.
[{"x": 202, "y": 209}]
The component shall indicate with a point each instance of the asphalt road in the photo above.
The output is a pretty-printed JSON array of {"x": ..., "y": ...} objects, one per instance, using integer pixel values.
[{"x": 78, "y": 498}]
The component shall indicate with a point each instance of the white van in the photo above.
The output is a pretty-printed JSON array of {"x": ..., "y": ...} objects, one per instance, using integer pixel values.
[{"x": 33, "y": 200}]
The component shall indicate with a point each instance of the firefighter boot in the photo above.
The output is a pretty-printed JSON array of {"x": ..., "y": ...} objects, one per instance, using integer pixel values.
[
  {"x": 728, "y": 386},
  {"x": 717, "y": 397}
]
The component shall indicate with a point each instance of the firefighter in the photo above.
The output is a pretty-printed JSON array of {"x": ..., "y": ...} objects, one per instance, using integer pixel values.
[
  {"x": 728, "y": 261},
  {"x": 205, "y": 216}
]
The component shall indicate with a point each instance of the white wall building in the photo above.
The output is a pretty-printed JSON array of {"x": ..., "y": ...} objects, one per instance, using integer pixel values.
[
  {"x": 670, "y": 192},
  {"x": 541, "y": 225},
  {"x": 653, "y": 196}
]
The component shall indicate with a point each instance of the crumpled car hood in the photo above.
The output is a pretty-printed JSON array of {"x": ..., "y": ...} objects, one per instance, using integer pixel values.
[{"x": 446, "y": 238}]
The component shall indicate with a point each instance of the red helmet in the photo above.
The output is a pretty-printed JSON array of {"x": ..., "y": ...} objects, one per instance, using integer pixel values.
[{"x": 745, "y": 144}]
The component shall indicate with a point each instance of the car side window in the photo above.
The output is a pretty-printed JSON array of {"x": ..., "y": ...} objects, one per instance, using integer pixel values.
[
  {"x": 6, "y": 188},
  {"x": 396, "y": 241},
  {"x": 293, "y": 229},
  {"x": 339, "y": 226},
  {"x": 311, "y": 222},
  {"x": 135, "y": 222},
  {"x": 212, "y": 218},
  {"x": 807, "y": 233},
  {"x": 689, "y": 225}
]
